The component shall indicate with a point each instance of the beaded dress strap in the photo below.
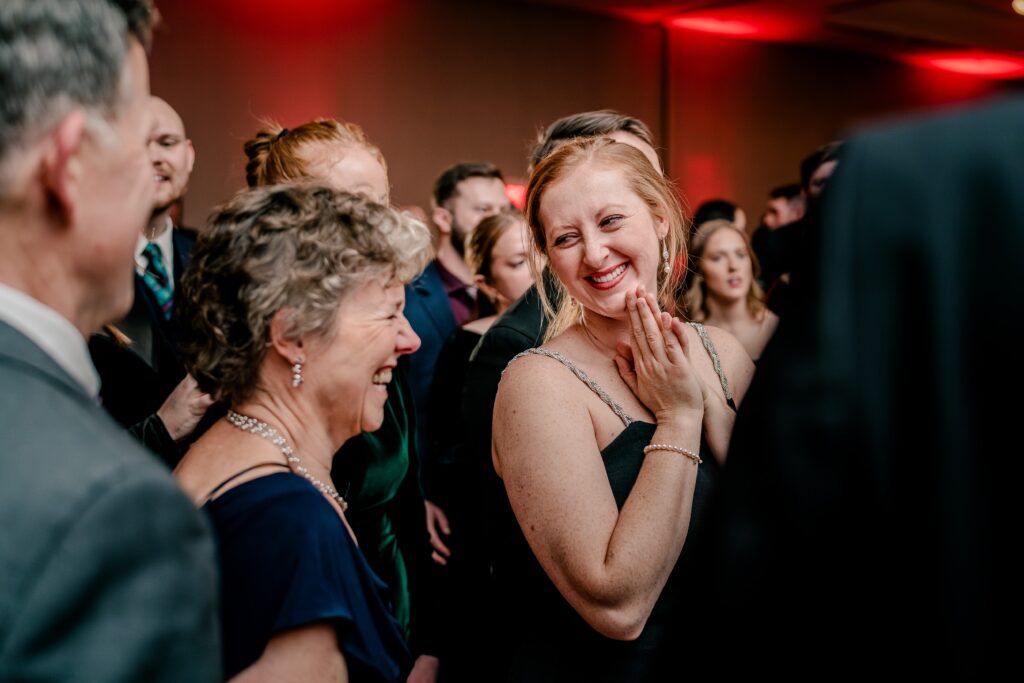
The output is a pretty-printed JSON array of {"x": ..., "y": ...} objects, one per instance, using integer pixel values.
[
  {"x": 710, "y": 348},
  {"x": 582, "y": 376}
]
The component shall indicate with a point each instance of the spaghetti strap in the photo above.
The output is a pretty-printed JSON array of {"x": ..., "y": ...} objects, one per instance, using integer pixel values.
[
  {"x": 236, "y": 475},
  {"x": 710, "y": 348},
  {"x": 582, "y": 376}
]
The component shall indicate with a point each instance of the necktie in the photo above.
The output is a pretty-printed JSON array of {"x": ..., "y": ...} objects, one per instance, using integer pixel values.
[{"x": 157, "y": 279}]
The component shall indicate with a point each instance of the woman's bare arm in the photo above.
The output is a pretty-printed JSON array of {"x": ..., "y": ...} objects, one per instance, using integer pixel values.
[
  {"x": 609, "y": 564},
  {"x": 309, "y": 653}
]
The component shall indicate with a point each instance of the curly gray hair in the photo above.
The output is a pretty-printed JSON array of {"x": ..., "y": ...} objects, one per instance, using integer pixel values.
[{"x": 298, "y": 247}]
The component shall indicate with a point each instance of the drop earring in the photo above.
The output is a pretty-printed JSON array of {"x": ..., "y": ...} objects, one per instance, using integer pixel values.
[
  {"x": 297, "y": 373},
  {"x": 664, "y": 257}
]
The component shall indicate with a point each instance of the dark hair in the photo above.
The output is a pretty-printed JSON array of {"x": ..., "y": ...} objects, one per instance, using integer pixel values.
[
  {"x": 787, "y": 192},
  {"x": 141, "y": 17},
  {"x": 446, "y": 185},
  {"x": 714, "y": 209},
  {"x": 586, "y": 125},
  {"x": 827, "y": 152}
]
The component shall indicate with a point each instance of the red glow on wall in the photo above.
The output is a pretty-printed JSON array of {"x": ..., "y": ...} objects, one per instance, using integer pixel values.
[
  {"x": 702, "y": 177},
  {"x": 298, "y": 18},
  {"x": 750, "y": 22},
  {"x": 980, "y": 64},
  {"x": 724, "y": 27},
  {"x": 516, "y": 193}
]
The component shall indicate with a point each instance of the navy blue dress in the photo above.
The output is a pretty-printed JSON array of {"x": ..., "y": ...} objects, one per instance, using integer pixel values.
[{"x": 288, "y": 561}]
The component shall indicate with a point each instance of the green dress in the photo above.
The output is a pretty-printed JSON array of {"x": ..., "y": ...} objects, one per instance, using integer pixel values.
[{"x": 378, "y": 475}]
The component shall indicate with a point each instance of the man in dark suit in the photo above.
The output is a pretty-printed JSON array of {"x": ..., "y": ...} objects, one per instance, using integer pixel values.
[
  {"x": 108, "y": 570},
  {"x": 144, "y": 385},
  {"x": 443, "y": 298},
  {"x": 866, "y": 490}
]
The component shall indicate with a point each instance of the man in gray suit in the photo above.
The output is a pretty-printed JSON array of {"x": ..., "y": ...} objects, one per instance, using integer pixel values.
[{"x": 107, "y": 569}]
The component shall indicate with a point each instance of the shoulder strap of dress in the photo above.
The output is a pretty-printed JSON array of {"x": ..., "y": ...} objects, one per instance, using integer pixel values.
[
  {"x": 710, "y": 348},
  {"x": 583, "y": 377},
  {"x": 217, "y": 489}
]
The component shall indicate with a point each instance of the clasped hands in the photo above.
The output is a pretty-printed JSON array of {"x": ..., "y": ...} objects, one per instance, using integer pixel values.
[{"x": 656, "y": 363}]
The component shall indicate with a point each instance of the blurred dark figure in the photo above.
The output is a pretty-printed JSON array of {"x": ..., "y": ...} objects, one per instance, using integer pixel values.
[
  {"x": 779, "y": 250},
  {"x": 715, "y": 210},
  {"x": 858, "y": 521},
  {"x": 785, "y": 204}
]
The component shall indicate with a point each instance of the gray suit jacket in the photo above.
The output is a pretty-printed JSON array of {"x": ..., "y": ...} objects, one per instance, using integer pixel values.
[{"x": 107, "y": 571}]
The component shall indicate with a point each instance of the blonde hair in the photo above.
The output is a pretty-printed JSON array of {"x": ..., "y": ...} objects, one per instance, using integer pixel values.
[
  {"x": 694, "y": 300},
  {"x": 643, "y": 179},
  {"x": 278, "y": 155},
  {"x": 297, "y": 247}
]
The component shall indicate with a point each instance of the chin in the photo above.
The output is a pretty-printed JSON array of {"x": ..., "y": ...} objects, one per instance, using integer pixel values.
[{"x": 373, "y": 417}]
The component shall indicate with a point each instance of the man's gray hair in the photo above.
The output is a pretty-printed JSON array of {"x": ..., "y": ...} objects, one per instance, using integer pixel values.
[{"x": 56, "y": 55}]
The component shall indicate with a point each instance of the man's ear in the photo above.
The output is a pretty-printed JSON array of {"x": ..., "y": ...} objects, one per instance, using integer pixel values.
[
  {"x": 190, "y": 156},
  {"x": 442, "y": 218},
  {"x": 291, "y": 350},
  {"x": 61, "y": 164}
]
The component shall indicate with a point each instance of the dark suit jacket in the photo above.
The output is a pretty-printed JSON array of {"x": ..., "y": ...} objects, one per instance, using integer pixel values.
[
  {"x": 428, "y": 311},
  {"x": 867, "y": 477},
  {"x": 521, "y": 327},
  {"x": 108, "y": 570},
  {"x": 136, "y": 380}
]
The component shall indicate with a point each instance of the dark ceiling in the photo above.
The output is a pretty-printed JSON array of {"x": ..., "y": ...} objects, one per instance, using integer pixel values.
[{"x": 894, "y": 28}]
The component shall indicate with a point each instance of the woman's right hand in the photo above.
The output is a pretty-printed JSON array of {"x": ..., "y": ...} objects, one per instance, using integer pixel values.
[{"x": 656, "y": 364}]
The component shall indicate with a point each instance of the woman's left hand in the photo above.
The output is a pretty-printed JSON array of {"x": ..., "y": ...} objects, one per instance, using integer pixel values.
[{"x": 424, "y": 670}]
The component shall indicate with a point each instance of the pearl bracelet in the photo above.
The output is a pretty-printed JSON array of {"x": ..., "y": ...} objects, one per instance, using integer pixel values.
[{"x": 674, "y": 449}]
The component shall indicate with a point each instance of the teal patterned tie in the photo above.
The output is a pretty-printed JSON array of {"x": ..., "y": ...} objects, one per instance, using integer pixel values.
[{"x": 157, "y": 279}]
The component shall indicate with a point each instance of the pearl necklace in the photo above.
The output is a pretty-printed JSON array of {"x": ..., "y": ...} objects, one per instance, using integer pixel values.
[{"x": 263, "y": 430}]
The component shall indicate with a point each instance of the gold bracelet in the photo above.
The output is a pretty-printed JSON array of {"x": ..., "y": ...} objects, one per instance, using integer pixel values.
[{"x": 674, "y": 449}]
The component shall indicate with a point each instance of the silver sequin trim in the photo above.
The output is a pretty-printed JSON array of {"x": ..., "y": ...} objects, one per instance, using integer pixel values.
[
  {"x": 583, "y": 377},
  {"x": 710, "y": 348}
]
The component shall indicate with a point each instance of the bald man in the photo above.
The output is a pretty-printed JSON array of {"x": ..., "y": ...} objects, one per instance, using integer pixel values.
[{"x": 144, "y": 385}]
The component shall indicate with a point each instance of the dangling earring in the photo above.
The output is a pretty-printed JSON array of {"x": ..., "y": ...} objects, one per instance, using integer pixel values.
[
  {"x": 297, "y": 373},
  {"x": 664, "y": 257}
]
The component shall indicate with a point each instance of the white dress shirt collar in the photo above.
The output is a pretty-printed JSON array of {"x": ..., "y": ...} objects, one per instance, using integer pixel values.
[{"x": 51, "y": 332}]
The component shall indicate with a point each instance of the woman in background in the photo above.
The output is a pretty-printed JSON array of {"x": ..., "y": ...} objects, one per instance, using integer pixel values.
[
  {"x": 725, "y": 292},
  {"x": 377, "y": 472}
]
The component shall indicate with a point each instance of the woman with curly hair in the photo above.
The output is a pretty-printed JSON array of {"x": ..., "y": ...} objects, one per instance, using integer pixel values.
[
  {"x": 292, "y": 316},
  {"x": 378, "y": 471}
]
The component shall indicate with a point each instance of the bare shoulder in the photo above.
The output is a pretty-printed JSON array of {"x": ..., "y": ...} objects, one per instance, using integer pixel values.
[
  {"x": 536, "y": 383},
  {"x": 535, "y": 411},
  {"x": 736, "y": 363}
]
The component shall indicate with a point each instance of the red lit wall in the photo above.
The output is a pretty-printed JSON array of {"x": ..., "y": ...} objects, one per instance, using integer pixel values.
[
  {"x": 432, "y": 82},
  {"x": 435, "y": 82},
  {"x": 742, "y": 114}
]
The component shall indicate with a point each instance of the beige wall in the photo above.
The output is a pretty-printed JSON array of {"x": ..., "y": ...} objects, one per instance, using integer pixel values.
[{"x": 434, "y": 82}]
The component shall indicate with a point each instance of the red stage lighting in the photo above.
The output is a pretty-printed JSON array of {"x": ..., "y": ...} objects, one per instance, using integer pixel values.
[
  {"x": 725, "y": 27},
  {"x": 980, "y": 64},
  {"x": 516, "y": 193}
]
